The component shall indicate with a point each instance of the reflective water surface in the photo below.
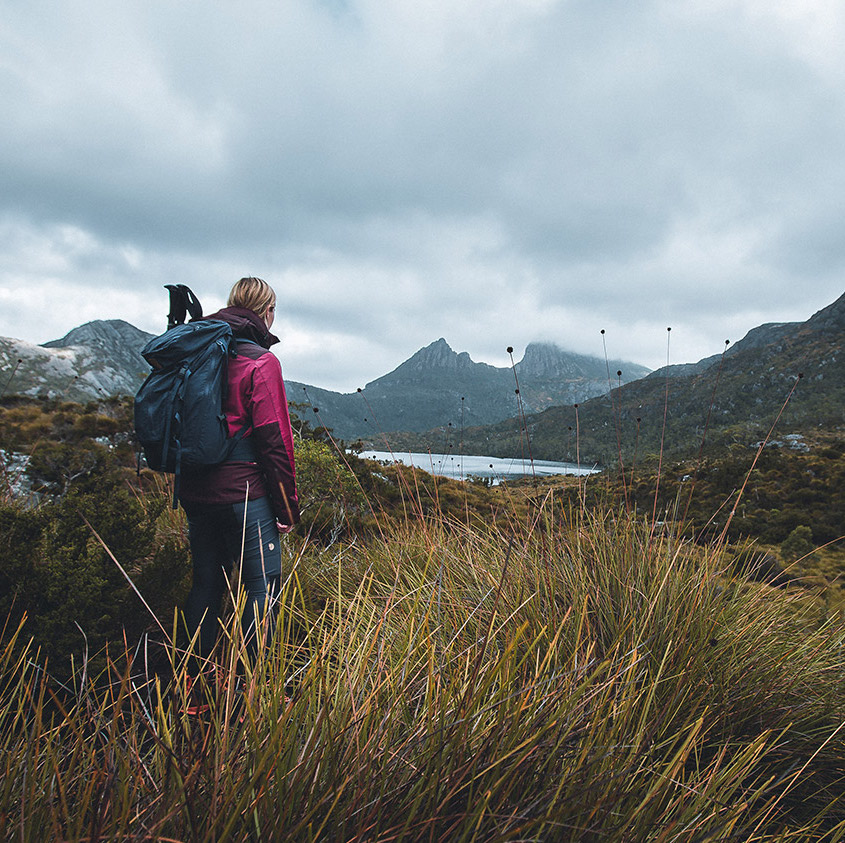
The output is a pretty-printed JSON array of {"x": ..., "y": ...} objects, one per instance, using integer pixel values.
[{"x": 461, "y": 467}]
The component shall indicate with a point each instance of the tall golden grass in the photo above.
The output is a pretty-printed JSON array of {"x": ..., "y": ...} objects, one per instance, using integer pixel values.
[{"x": 584, "y": 677}]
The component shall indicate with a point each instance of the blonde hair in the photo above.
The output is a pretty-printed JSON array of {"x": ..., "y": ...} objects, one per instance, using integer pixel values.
[{"x": 253, "y": 294}]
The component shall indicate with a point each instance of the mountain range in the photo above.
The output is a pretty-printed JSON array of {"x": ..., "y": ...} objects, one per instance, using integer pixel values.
[
  {"x": 439, "y": 386},
  {"x": 787, "y": 375},
  {"x": 436, "y": 386},
  {"x": 570, "y": 410}
]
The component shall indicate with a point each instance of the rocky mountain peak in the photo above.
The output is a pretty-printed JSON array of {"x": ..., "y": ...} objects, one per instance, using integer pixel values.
[
  {"x": 95, "y": 360},
  {"x": 540, "y": 358},
  {"x": 547, "y": 360},
  {"x": 830, "y": 318},
  {"x": 436, "y": 355},
  {"x": 102, "y": 332}
]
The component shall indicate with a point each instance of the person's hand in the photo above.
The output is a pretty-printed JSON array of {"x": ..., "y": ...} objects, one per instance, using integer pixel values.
[{"x": 283, "y": 528}]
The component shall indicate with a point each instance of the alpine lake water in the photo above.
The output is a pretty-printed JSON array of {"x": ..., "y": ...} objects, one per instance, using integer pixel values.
[{"x": 464, "y": 466}]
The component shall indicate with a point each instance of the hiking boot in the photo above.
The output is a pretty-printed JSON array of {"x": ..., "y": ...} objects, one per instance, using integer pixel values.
[{"x": 196, "y": 703}]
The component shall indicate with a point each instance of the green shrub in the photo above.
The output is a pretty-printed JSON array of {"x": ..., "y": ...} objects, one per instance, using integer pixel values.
[
  {"x": 797, "y": 544},
  {"x": 20, "y": 574},
  {"x": 332, "y": 500}
]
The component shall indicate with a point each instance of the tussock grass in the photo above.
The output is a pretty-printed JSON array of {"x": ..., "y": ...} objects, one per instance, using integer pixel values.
[{"x": 582, "y": 678}]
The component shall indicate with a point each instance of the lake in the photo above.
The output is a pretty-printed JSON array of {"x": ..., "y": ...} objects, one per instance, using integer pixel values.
[{"x": 459, "y": 467}]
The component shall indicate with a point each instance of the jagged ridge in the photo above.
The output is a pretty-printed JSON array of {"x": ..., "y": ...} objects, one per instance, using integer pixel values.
[{"x": 438, "y": 386}]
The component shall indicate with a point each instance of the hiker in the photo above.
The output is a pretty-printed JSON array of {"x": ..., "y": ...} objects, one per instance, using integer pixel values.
[{"x": 237, "y": 509}]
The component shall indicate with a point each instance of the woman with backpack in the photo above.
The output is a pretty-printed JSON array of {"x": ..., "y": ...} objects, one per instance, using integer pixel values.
[{"x": 237, "y": 509}]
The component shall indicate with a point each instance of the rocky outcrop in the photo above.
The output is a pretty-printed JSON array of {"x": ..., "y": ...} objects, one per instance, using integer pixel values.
[
  {"x": 548, "y": 361},
  {"x": 430, "y": 362},
  {"x": 830, "y": 318},
  {"x": 96, "y": 360}
]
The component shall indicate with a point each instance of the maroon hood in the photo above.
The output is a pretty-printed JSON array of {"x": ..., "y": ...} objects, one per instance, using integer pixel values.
[{"x": 246, "y": 325}]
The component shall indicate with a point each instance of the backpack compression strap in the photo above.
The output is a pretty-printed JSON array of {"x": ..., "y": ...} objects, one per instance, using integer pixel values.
[
  {"x": 182, "y": 302},
  {"x": 176, "y": 398}
]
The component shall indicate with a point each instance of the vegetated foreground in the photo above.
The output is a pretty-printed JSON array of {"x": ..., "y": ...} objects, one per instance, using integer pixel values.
[{"x": 588, "y": 676}]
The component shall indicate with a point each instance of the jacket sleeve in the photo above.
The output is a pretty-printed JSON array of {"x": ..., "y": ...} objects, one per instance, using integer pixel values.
[{"x": 273, "y": 438}]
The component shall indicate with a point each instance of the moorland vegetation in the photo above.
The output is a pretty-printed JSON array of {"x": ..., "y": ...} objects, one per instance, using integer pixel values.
[{"x": 567, "y": 659}]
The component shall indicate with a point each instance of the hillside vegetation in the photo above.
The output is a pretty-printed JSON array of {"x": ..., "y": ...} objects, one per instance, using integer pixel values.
[{"x": 580, "y": 660}]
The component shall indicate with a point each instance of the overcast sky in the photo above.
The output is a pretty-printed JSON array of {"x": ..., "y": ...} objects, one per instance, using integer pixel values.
[{"x": 489, "y": 171}]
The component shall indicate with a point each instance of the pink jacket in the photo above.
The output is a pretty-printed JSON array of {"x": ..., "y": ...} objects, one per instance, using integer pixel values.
[{"x": 256, "y": 401}]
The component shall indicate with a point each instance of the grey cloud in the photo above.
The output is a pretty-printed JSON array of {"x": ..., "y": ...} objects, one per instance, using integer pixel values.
[
  {"x": 547, "y": 162},
  {"x": 567, "y": 146}
]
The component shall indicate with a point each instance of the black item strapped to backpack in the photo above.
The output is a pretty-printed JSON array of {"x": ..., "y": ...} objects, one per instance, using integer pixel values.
[
  {"x": 182, "y": 302},
  {"x": 179, "y": 418}
]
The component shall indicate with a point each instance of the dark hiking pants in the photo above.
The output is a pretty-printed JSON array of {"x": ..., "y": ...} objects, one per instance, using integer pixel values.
[{"x": 225, "y": 539}]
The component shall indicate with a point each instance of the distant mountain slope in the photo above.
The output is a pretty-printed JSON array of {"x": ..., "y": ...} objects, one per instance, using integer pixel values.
[
  {"x": 748, "y": 388},
  {"x": 438, "y": 386},
  {"x": 756, "y": 338},
  {"x": 95, "y": 360}
]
